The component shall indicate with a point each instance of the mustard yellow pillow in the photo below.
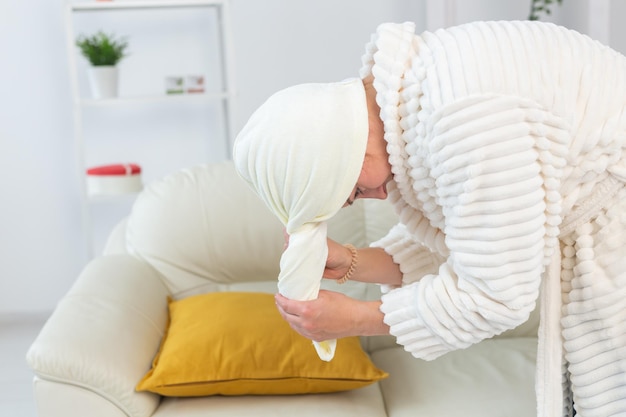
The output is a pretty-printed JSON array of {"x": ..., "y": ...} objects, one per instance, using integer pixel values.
[{"x": 236, "y": 343}]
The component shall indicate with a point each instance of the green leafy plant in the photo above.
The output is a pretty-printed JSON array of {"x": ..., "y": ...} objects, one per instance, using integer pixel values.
[
  {"x": 541, "y": 6},
  {"x": 102, "y": 48}
]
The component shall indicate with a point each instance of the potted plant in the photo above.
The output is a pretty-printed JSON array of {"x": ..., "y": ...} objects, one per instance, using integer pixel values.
[
  {"x": 541, "y": 6},
  {"x": 104, "y": 52}
]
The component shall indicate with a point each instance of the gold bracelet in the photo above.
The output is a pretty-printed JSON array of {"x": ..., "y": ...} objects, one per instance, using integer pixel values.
[{"x": 355, "y": 258}]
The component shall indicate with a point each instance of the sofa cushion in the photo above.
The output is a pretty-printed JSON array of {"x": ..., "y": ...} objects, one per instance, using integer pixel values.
[
  {"x": 236, "y": 343},
  {"x": 360, "y": 402},
  {"x": 494, "y": 378}
]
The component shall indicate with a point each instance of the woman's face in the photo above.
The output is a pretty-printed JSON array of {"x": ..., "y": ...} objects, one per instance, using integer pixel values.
[
  {"x": 372, "y": 182},
  {"x": 376, "y": 170}
]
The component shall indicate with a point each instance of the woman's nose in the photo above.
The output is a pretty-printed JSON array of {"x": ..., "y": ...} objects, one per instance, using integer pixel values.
[{"x": 379, "y": 193}]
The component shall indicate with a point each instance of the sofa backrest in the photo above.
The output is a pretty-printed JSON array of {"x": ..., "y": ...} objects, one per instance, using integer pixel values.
[{"x": 206, "y": 224}]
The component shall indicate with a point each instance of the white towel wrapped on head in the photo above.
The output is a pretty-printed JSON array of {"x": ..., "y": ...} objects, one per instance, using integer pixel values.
[{"x": 302, "y": 151}]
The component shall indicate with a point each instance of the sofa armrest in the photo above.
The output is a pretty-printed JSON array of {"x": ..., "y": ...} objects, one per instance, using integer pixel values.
[{"x": 104, "y": 333}]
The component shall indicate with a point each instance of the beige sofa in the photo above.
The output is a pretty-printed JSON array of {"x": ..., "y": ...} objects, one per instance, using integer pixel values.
[{"x": 202, "y": 230}]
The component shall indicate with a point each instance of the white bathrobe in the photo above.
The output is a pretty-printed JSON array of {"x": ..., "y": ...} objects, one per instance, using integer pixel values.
[{"x": 506, "y": 141}]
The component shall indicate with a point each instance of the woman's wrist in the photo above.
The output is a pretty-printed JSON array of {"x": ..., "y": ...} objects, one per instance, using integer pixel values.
[
  {"x": 370, "y": 320},
  {"x": 354, "y": 258}
]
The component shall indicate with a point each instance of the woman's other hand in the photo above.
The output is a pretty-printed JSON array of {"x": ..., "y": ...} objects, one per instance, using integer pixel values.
[
  {"x": 338, "y": 260},
  {"x": 332, "y": 315}
]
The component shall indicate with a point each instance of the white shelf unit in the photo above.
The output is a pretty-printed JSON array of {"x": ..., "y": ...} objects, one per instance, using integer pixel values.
[{"x": 220, "y": 95}]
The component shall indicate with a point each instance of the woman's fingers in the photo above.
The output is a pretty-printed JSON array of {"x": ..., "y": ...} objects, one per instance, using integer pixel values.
[{"x": 286, "y": 238}]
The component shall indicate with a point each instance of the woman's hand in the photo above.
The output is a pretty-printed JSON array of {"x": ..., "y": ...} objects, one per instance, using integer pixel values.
[
  {"x": 338, "y": 260},
  {"x": 332, "y": 315}
]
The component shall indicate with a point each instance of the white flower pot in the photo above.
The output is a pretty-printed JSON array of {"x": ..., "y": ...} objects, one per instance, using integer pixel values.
[{"x": 103, "y": 81}]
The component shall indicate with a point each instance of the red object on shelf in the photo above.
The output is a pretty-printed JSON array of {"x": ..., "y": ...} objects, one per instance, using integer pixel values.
[
  {"x": 114, "y": 179},
  {"x": 115, "y": 169}
]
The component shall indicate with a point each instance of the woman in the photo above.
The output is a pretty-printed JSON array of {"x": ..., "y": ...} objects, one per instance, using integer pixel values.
[{"x": 501, "y": 145}]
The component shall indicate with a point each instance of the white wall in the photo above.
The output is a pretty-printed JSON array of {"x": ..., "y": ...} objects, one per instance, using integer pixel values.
[{"x": 277, "y": 43}]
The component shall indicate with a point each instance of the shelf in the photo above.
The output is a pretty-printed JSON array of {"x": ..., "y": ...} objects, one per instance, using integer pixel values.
[
  {"x": 204, "y": 97},
  {"x": 139, "y": 4},
  {"x": 215, "y": 102}
]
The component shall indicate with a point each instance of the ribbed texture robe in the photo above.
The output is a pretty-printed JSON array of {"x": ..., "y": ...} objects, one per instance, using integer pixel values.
[{"x": 506, "y": 141}]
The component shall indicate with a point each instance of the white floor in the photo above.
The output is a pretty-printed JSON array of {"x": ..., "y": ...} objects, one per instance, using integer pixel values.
[{"x": 16, "y": 394}]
